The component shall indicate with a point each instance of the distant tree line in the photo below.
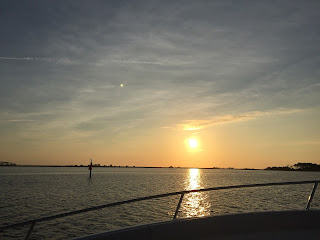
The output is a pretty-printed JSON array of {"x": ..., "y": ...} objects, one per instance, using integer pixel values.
[
  {"x": 297, "y": 167},
  {"x": 7, "y": 164}
]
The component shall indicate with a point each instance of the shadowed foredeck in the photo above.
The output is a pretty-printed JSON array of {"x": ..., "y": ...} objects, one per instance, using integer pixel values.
[{"x": 302, "y": 224}]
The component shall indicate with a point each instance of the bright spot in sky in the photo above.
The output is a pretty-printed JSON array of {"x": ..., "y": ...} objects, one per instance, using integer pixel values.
[
  {"x": 193, "y": 143},
  {"x": 121, "y": 85}
]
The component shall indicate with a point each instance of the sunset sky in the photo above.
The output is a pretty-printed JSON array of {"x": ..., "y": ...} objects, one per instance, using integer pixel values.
[{"x": 131, "y": 82}]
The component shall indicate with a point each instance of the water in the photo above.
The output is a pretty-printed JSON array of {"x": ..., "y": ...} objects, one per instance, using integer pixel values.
[{"x": 33, "y": 192}]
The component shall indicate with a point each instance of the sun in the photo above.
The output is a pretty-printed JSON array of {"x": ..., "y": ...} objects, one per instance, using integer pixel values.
[{"x": 193, "y": 143}]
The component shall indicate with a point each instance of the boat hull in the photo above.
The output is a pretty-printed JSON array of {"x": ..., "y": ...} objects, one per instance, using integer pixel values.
[{"x": 302, "y": 224}]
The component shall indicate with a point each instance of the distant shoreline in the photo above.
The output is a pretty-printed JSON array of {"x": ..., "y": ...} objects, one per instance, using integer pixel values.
[
  {"x": 297, "y": 167},
  {"x": 72, "y": 166},
  {"x": 305, "y": 167}
]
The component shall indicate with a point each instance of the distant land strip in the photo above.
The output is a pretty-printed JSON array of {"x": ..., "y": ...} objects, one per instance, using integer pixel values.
[{"x": 296, "y": 167}]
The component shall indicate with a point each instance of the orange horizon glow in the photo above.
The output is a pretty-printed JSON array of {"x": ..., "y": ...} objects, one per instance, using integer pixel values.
[{"x": 242, "y": 144}]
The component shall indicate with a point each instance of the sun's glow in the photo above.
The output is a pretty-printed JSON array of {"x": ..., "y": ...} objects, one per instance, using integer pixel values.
[{"x": 193, "y": 143}]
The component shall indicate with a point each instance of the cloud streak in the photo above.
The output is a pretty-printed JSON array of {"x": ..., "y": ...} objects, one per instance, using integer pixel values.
[
  {"x": 27, "y": 58},
  {"x": 21, "y": 120},
  {"x": 150, "y": 62},
  {"x": 60, "y": 61},
  {"x": 198, "y": 124},
  {"x": 302, "y": 143},
  {"x": 16, "y": 58}
]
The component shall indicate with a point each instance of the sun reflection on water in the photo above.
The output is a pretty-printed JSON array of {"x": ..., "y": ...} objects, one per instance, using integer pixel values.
[{"x": 195, "y": 204}]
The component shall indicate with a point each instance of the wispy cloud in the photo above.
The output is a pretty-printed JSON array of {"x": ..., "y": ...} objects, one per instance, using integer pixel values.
[
  {"x": 137, "y": 62},
  {"x": 151, "y": 62},
  {"x": 24, "y": 58},
  {"x": 16, "y": 58},
  {"x": 197, "y": 124},
  {"x": 61, "y": 61},
  {"x": 21, "y": 120},
  {"x": 302, "y": 143}
]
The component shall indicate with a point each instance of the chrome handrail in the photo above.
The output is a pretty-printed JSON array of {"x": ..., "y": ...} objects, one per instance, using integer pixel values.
[
  {"x": 312, "y": 194},
  {"x": 181, "y": 193}
]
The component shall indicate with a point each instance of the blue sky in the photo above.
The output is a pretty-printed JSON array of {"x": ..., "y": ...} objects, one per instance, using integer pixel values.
[{"x": 180, "y": 63}]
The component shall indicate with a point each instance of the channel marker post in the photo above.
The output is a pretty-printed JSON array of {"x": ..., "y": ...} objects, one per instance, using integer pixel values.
[{"x": 90, "y": 167}]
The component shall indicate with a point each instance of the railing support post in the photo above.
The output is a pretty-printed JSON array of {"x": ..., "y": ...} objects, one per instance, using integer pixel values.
[
  {"x": 178, "y": 206},
  {"x": 312, "y": 194},
  {"x": 30, "y": 230}
]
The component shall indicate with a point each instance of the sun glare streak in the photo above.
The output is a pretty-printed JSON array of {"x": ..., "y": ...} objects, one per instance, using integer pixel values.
[
  {"x": 194, "y": 178},
  {"x": 195, "y": 204}
]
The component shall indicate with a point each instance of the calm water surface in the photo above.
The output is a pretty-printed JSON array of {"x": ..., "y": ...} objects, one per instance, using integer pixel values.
[{"x": 33, "y": 192}]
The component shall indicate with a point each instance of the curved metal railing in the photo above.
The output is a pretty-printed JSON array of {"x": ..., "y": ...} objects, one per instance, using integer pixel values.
[{"x": 181, "y": 193}]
